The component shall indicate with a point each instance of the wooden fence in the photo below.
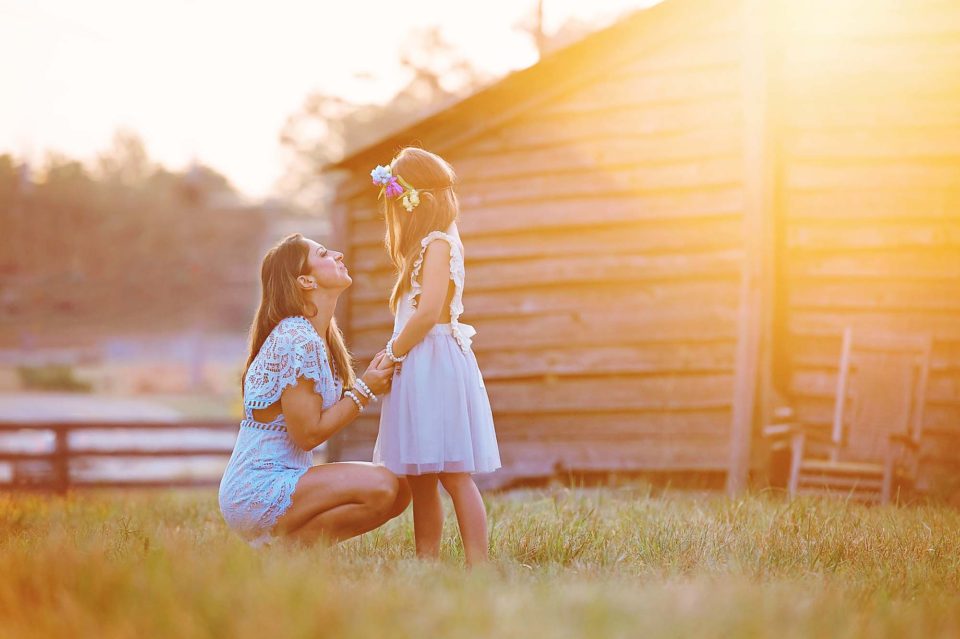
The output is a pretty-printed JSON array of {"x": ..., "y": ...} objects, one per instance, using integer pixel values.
[{"x": 58, "y": 475}]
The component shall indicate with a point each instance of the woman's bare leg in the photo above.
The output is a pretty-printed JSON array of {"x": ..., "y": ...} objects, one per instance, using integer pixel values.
[
  {"x": 403, "y": 499},
  {"x": 427, "y": 515},
  {"x": 471, "y": 515},
  {"x": 334, "y": 502}
]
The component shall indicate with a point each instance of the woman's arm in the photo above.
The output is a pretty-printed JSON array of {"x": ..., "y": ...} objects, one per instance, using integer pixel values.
[
  {"x": 309, "y": 425},
  {"x": 433, "y": 296}
]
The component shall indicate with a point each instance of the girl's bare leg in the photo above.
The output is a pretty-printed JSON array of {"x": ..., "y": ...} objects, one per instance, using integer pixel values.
[
  {"x": 427, "y": 515},
  {"x": 471, "y": 515}
]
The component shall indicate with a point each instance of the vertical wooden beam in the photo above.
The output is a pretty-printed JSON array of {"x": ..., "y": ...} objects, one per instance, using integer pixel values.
[
  {"x": 756, "y": 283},
  {"x": 61, "y": 459},
  {"x": 840, "y": 403},
  {"x": 797, "y": 441},
  {"x": 342, "y": 240}
]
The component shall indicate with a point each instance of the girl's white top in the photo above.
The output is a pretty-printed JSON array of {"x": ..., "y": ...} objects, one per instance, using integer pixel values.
[{"x": 463, "y": 333}]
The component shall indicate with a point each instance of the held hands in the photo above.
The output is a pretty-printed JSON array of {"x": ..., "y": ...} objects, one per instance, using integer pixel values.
[
  {"x": 378, "y": 377},
  {"x": 386, "y": 363}
]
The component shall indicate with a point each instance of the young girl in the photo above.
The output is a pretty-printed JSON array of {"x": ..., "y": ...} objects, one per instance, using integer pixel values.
[{"x": 436, "y": 424}]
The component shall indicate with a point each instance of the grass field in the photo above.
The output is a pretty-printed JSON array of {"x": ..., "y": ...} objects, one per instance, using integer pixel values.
[{"x": 613, "y": 562}]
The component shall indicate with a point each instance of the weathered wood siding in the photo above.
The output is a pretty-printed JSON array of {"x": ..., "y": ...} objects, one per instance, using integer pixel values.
[
  {"x": 870, "y": 193},
  {"x": 603, "y": 231}
]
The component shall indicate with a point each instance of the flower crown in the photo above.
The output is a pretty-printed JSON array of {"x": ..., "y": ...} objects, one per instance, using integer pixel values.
[{"x": 396, "y": 187}]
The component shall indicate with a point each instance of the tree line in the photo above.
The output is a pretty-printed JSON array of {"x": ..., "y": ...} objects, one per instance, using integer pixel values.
[{"x": 123, "y": 240}]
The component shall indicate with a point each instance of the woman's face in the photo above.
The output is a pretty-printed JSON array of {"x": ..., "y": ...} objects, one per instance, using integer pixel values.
[{"x": 326, "y": 267}]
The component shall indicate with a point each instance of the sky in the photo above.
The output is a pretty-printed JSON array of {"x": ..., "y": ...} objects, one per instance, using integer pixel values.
[{"x": 214, "y": 80}]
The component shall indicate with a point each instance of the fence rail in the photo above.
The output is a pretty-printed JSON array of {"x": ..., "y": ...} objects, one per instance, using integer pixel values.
[{"x": 59, "y": 478}]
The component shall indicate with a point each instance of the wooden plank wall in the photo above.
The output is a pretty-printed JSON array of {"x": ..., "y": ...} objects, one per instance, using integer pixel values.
[
  {"x": 871, "y": 194},
  {"x": 603, "y": 234}
]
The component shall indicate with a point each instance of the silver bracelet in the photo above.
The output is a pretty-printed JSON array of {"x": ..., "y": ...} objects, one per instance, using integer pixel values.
[
  {"x": 394, "y": 358},
  {"x": 365, "y": 390},
  {"x": 356, "y": 400}
]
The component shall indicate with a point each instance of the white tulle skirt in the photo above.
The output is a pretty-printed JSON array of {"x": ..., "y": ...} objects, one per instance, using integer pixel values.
[{"x": 436, "y": 417}]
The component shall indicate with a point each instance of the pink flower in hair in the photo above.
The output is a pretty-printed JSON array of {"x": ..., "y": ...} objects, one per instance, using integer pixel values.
[{"x": 393, "y": 188}]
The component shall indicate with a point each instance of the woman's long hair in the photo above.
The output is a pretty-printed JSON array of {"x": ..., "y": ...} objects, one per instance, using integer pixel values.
[
  {"x": 281, "y": 297},
  {"x": 433, "y": 178}
]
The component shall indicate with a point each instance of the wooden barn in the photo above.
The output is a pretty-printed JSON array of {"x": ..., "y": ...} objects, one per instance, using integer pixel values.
[{"x": 670, "y": 223}]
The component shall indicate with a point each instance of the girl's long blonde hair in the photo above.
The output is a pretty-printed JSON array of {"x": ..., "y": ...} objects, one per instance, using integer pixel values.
[
  {"x": 433, "y": 178},
  {"x": 281, "y": 297}
]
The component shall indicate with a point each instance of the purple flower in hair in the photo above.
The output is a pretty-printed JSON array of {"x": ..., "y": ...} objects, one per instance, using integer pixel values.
[{"x": 393, "y": 188}]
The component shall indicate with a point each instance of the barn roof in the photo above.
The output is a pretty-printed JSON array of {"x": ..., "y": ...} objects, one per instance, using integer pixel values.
[{"x": 558, "y": 72}]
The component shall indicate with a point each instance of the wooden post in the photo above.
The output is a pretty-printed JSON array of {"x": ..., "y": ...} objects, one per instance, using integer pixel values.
[
  {"x": 752, "y": 363},
  {"x": 840, "y": 403},
  {"x": 341, "y": 240},
  {"x": 61, "y": 459},
  {"x": 797, "y": 441},
  {"x": 539, "y": 37}
]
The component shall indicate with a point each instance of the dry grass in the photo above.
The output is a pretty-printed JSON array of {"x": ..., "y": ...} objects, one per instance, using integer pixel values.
[{"x": 567, "y": 563}]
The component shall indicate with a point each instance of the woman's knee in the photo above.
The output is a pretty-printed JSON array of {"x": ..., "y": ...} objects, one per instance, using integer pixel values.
[
  {"x": 402, "y": 499},
  {"x": 382, "y": 489}
]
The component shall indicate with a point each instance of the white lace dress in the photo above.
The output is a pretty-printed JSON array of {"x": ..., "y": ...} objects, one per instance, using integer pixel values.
[
  {"x": 436, "y": 417},
  {"x": 266, "y": 464}
]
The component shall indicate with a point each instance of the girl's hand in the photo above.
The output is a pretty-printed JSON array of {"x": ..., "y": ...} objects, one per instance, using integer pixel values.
[
  {"x": 376, "y": 362},
  {"x": 385, "y": 362},
  {"x": 378, "y": 379}
]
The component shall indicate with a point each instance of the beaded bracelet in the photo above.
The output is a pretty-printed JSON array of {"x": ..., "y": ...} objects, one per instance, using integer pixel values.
[
  {"x": 394, "y": 358},
  {"x": 365, "y": 390},
  {"x": 356, "y": 400},
  {"x": 363, "y": 393}
]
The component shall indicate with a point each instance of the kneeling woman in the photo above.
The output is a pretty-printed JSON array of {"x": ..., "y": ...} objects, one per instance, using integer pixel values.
[{"x": 299, "y": 389}]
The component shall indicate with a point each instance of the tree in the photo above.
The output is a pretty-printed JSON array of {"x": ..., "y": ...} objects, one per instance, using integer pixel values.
[
  {"x": 126, "y": 162},
  {"x": 126, "y": 238},
  {"x": 327, "y": 126},
  {"x": 569, "y": 32}
]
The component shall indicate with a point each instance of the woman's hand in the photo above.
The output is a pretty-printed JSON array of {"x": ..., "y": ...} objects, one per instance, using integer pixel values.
[{"x": 376, "y": 377}]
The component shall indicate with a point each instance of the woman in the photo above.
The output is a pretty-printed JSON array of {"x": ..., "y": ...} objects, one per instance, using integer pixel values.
[{"x": 299, "y": 389}]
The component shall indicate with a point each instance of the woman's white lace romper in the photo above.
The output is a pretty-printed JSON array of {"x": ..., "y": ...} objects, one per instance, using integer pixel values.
[
  {"x": 266, "y": 464},
  {"x": 436, "y": 417}
]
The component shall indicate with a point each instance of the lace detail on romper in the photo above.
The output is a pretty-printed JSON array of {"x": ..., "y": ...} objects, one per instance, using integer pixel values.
[
  {"x": 293, "y": 349},
  {"x": 258, "y": 485}
]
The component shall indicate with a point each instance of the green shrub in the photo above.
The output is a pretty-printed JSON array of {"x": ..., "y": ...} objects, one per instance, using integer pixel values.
[{"x": 52, "y": 377}]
